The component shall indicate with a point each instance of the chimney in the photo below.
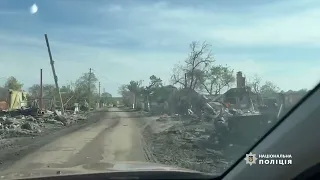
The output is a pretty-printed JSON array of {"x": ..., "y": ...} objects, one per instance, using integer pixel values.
[
  {"x": 239, "y": 79},
  {"x": 243, "y": 82}
]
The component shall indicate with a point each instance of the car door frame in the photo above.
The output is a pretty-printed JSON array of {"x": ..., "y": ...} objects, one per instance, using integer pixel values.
[{"x": 295, "y": 134}]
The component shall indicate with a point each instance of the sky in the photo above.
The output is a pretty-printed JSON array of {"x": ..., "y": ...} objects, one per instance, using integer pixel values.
[{"x": 123, "y": 40}]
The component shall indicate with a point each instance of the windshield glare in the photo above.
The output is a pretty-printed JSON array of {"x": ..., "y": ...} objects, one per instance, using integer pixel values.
[{"x": 95, "y": 86}]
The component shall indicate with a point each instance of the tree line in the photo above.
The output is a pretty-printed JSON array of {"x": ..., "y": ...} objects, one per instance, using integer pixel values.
[
  {"x": 198, "y": 73},
  {"x": 77, "y": 92}
]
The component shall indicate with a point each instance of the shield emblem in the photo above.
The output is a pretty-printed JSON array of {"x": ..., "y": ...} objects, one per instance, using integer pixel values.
[{"x": 250, "y": 158}]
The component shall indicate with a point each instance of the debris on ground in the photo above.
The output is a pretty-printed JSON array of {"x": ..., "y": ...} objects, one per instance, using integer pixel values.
[
  {"x": 202, "y": 141},
  {"x": 184, "y": 143},
  {"x": 24, "y": 124}
]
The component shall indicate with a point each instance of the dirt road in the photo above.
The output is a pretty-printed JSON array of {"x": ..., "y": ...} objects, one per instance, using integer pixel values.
[{"x": 114, "y": 138}]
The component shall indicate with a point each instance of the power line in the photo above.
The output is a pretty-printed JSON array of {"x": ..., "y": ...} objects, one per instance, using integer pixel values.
[
  {"x": 104, "y": 77},
  {"x": 101, "y": 75}
]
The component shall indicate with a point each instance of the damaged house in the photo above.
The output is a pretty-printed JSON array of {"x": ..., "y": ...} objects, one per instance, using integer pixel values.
[
  {"x": 240, "y": 97},
  {"x": 11, "y": 100}
]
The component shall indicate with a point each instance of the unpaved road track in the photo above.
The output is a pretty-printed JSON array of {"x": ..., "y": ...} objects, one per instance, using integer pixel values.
[{"x": 114, "y": 138}]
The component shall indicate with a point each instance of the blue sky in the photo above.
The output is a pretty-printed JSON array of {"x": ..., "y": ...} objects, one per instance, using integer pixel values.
[{"x": 123, "y": 40}]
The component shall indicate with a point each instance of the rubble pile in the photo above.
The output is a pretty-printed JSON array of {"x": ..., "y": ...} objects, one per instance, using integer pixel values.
[
  {"x": 187, "y": 143},
  {"x": 198, "y": 142},
  {"x": 28, "y": 125},
  {"x": 211, "y": 131}
]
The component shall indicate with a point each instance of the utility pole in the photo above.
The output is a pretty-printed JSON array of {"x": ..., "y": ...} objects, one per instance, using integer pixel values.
[
  {"x": 99, "y": 89},
  {"x": 41, "y": 92},
  {"x": 54, "y": 73},
  {"x": 89, "y": 87},
  {"x": 99, "y": 96},
  {"x": 185, "y": 80}
]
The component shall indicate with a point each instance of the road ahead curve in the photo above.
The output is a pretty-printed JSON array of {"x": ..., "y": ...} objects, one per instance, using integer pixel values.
[{"x": 115, "y": 138}]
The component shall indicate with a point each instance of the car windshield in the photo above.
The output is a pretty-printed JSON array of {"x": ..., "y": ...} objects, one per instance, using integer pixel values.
[{"x": 119, "y": 85}]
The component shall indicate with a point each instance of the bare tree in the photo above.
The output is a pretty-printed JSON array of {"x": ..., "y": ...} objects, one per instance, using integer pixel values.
[
  {"x": 48, "y": 91},
  {"x": 179, "y": 76},
  {"x": 123, "y": 89},
  {"x": 255, "y": 84},
  {"x": 82, "y": 85},
  {"x": 125, "y": 93},
  {"x": 269, "y": 89},
  {"x": 191, "y": 74},
  {"x": 217, "y": 78}
]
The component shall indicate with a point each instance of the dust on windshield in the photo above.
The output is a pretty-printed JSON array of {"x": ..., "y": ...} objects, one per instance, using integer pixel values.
[{"x": 91, "y": 85}]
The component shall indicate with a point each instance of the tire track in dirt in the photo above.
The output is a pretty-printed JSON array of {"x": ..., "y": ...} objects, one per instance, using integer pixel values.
[
  {"x": 92, "y": 152},
  {"x": 115, "y": 138},
  {"x": 27, "y": 145}
]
